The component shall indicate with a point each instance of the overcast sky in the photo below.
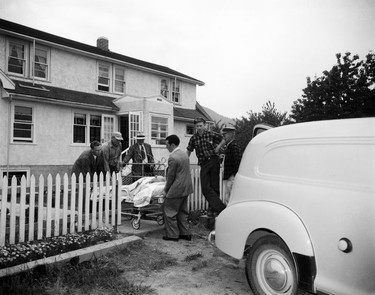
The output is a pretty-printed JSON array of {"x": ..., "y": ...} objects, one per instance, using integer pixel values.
[{"x": 246, "y": 52}]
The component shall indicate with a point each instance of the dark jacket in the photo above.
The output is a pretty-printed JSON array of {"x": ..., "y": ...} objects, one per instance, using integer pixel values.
[{"x": 85, "y": 163}]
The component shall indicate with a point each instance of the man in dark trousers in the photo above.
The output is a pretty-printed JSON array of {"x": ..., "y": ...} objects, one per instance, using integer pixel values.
[
  {"x": 206, "y": 146},
  {"x": 177, "y": 189},
  {"x": 141, "y": 155},
  {"x": 87, "y": 162},
  {"x": 232, "y": 159}
]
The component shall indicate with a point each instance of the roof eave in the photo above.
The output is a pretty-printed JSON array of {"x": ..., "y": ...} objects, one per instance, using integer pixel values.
[{"x": 62, "y": 103}]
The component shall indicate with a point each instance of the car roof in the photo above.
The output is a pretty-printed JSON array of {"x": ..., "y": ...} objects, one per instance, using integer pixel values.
[{"x": 359, "y": 127}]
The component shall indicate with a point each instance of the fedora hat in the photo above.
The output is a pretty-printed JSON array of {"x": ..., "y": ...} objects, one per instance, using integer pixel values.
[{"x": 117, "y": 135}]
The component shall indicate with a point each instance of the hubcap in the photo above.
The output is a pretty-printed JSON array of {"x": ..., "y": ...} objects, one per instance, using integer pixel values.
[{"x": 274, "y": 273}]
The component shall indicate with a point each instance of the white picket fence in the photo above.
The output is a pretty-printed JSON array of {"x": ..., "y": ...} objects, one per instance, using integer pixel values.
[{"x": 54, "y": 207}]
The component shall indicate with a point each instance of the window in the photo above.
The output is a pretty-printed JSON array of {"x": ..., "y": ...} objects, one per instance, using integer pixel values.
[
  {"x": 176, "y": 91},
  {"x": 111, "y": 78},
  {"x": 164, "y": 88},
  {"x": 190, "y": 129},
  {"x": 17, "y": 174},
  {"x": 103, "y": 77},
  {"x": 108, "y": 127},
  {"x": 119, "y": 79},
  {"x": 17, "y": 58},
  {"x": 79, "y": 128},
  {"x": 135, "y": 125},
  {"x": 159, "y": 129},
  {"x": 95, "y": 126},
  {"x": 41, "y": 62},
  {"x": 90, "y": 127},
  {"x": 23, "y": 127}
]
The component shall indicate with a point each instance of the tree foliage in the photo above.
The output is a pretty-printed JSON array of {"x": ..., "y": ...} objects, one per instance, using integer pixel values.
[
  {"x": 269, "y": 115},
  {"x": 346, "y": 91}
]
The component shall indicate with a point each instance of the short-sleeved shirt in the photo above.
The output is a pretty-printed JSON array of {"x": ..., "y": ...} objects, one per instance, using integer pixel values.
[{"x": 204, "y": 145}]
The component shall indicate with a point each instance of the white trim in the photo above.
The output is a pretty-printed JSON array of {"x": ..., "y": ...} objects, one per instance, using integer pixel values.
[{"x": 6, "y": 82}]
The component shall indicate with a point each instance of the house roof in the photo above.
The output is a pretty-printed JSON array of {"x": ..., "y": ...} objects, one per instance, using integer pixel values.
[
  {"x": 30, "y": 91},
  {"x": 10, "y": 27},
  {"x": 189, "y": 114}
]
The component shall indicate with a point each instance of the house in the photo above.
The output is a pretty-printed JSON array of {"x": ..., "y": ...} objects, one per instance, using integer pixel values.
[{"x": 57, "y": 95}]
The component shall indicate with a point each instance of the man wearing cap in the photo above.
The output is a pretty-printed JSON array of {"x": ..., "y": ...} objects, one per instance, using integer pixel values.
[
  {"x": 206, "y": 146},
  {"x": 141, "y": 155},
  {"x": 232, "y": 159},
  {"x": 111, "y": 153}
]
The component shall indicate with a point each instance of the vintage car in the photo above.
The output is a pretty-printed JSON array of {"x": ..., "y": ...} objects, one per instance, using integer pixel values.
[{"x": 302, "y": 209}]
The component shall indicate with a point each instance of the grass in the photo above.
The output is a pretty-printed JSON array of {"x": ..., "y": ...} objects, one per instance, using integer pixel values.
[{"x": 104, "y": 275}]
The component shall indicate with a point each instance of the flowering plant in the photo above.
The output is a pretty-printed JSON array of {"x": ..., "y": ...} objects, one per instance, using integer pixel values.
[{"x": 15, "y": 254}]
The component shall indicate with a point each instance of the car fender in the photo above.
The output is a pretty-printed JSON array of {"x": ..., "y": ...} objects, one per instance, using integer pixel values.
[{"x": 239, "y": 220}]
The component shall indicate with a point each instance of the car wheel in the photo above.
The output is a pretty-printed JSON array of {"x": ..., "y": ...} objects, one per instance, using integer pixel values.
[{"x": 270, "y": 268}]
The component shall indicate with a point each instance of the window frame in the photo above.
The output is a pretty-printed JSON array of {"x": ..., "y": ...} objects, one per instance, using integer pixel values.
[
  {"x": 26, "y": 46},
  {"x": 189, "y": 126},
  {"x": 23, "y": 140},
  {"x": 24, "y": 171},
  {"x": 99, "y": 84},
  {"x": 164, "y": 91},
  {"x": 47, "y": 64},
  {"x": 159, "y": 141},
  {"x": 176, "y": 90},
  {"x": 116, "y": 81},
  {"x": 105, "y": 133}
]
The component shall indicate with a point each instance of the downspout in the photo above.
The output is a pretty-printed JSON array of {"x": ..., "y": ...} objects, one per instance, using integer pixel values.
[{"x": 9, "y": 132}]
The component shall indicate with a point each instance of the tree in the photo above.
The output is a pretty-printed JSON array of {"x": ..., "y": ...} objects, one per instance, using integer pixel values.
[
  {"x": 269, "y": 115},
  {"x": 346, "y": 91}
]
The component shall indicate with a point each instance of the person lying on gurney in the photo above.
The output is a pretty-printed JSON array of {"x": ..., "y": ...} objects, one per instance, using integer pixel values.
[{"x": 141, "y": 191}]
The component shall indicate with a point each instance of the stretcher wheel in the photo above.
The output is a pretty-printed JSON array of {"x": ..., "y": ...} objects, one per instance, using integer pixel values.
[
  {"x": 136, "y": 224},
  {"x": 160, "y": 219}
]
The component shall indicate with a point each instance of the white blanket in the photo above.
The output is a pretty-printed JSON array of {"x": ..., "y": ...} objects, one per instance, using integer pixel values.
[{"x": 139, "y": 192}]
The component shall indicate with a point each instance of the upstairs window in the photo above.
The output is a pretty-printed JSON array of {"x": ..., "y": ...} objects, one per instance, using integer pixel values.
[
  {"x": 159, "y": 129},
  {"x": 164, "y": 88},
  {"x": 111, "y": 78},
  {"x": 41, "y": 62},
  {"x": 103, "y": 77},
  {"x": 23, "y": 126},
  {"x": 119, "y": 79},
  {"x": 17, "y": 58},
  {"x": 28, "y": 59},
  {"x": 176, "y": 91}
]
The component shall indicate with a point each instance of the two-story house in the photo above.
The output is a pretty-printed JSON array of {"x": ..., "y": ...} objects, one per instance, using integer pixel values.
[{"x": 57, "y": 95}]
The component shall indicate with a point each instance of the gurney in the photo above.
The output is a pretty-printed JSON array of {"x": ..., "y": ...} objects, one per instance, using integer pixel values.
[{"x": 143, "y": 199}]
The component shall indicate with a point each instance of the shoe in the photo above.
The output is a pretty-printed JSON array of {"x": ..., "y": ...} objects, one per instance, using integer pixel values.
[
  {"x": 185, "y": 237},
  {"x": 165, "y": 238}
]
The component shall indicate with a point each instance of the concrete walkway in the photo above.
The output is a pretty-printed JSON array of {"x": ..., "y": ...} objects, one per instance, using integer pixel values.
[{"x": 146, "y": 226}]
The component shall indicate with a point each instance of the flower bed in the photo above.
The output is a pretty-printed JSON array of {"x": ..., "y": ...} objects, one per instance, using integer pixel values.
[{"x": 11, "y": 255}]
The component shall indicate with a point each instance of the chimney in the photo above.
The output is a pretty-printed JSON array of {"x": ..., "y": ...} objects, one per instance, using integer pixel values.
[{"x": 102, "y": 43}]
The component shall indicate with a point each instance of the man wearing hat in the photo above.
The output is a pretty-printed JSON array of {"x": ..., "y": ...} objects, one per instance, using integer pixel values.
[
  {"x": 141, "y": 155},
  {"x": 232, "y": 159},
  {"x": 111, "y": 153}
]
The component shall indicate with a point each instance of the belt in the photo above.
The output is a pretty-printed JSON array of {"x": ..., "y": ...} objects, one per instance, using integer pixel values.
[{"x": 209, "y": 158}]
